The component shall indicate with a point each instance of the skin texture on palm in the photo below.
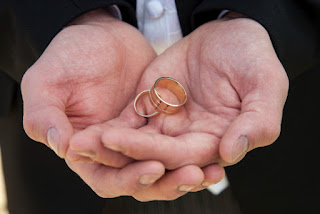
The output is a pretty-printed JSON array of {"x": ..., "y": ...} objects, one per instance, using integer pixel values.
[
  {"x": 87, "y": 75},
  {"x": 236, "y": 92},
  {"x": 236, "y": 89}
]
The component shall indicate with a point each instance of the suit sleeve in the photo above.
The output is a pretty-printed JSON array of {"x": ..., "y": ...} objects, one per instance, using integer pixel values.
[
  {"x": 29, "y": 26},
  {"x": 293, "y": 27}
]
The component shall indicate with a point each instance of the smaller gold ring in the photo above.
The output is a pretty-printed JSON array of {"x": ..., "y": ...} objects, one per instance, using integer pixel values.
[{"x": 135, "y": 105}]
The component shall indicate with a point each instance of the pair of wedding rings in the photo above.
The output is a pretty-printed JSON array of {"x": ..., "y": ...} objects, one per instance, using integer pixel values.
[{"x": 160, "y": 102}]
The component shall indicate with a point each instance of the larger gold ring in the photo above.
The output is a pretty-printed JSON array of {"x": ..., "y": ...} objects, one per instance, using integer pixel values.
[
  {"x": 172, "y": 85},
  {"x": 158, "y": 102}
]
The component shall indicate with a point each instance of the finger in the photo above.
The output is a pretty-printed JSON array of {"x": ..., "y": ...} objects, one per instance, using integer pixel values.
[
  {"x": 78, "y": 158},
  {"x": 189, "y": 149},
  {"x": 128, "y": 118},
  {"x": 44, "y": 119},
  {"x": 257, "y": 125},
  {"x": 108, "y": 182},
  {"x": 213, "y": 174},
  {"x": 49, "y": 125},
  {"x": 173, "y": 184},
  {"x": 86, "y": 145}
]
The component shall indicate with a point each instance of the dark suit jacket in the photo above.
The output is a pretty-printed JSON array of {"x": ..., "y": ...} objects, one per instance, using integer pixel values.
[
  {"x": 30, "y": 25},
  {"x": 264, "y": 178}
]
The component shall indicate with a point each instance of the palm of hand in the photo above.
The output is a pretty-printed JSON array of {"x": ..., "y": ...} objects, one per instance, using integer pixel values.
[
  {"x": 87, "y": 75},
  {"x": 226, "y": 87},
  {"x": 212, "y": 105},
  {"x": 96, "y": 72}
]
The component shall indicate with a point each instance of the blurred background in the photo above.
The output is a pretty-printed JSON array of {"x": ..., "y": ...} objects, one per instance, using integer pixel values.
[{"x": 3, "y": 198}]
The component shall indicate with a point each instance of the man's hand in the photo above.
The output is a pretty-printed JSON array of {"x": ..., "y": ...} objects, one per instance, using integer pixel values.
[
  {"x": 236, "y": 92},
  {"x": 236, "y": 89},
  {"x": 87, "y": 75}
]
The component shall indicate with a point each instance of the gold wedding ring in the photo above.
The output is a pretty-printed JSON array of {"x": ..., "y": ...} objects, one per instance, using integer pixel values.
[
  {"x": 159, "y": 98},
  {"x": 136, "y": 101}
]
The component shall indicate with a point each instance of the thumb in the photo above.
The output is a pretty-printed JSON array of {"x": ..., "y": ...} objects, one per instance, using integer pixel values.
[
  {"x": 259, "y": 121},
  {"x": 258, "y": 124},
  {"x": 44, "y": 117},
  {"x": 49, "y": 125},
  {"x": 249, "y": 131}
]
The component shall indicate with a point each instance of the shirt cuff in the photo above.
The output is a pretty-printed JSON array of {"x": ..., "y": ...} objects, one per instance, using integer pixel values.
[
  {"x": 219, "y": 187},
  {"x": 222, "y": 13},
  {"x": 114, "y": 11}
]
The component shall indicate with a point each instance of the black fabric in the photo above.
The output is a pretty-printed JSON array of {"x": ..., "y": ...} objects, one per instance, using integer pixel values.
[
  {"x": 202, "y": 202},
  {"x": 8, "y": 89},
  {"x": 42, "y": 20},
  {"x": 16, "y": 51}
]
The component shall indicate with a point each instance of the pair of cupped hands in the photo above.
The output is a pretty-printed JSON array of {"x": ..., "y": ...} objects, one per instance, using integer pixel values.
[{"x": 78, "y": 100}]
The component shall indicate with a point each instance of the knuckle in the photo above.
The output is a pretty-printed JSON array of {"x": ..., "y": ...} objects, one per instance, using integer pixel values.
[
  {"x": 114, "y": 159},
  {"x": 173, "y": 196},
  {"x": 101, "y": 192},
  {"x": 135, "y": 189}
]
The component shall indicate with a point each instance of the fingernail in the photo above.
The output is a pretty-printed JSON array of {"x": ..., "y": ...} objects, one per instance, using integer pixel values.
[
  {"x": 186, "y": 188},
  {"x": 206, "y": 184},
  {"x": 88, "y": 154},
  {"x": 240, "y": 147},
  {"x": 116, "y": 148},
  {"x": 80, "y": 159},
  {"x": 53, "y": 139},
  {"x": 148, "y": 179}
]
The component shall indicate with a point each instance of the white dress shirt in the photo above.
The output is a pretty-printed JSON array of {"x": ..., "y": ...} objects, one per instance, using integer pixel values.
[{"x": 159, "y": 23}]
